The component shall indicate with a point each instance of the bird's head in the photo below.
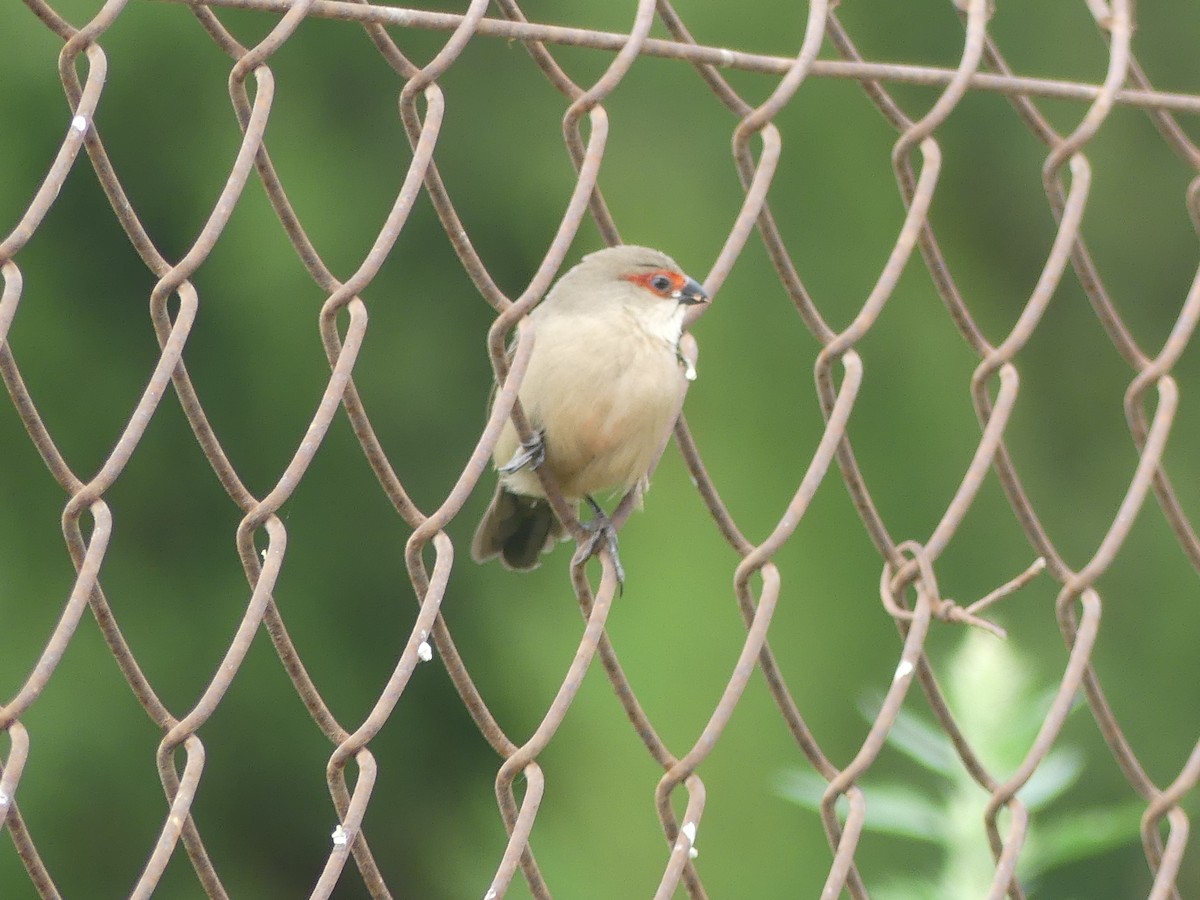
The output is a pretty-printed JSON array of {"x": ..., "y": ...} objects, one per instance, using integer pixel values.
[{"x": 629, "y": 276}]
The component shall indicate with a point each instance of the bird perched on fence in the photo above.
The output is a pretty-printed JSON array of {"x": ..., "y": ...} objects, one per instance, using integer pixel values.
[{"x": 604, "y": 386}]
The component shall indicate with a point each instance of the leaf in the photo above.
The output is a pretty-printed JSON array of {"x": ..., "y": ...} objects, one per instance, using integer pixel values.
[
  {"x": 803, "y": 787},
  {"x": 891, "y": 809},
  {"x": 1058, "y": 771},
  {"x": 919, "y": 741},
  {"x": 1077, "y": 836},
  {"x": 896, "y": 809}
]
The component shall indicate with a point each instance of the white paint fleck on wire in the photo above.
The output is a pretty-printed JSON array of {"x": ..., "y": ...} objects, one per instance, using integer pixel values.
[{"x": 688, "y": 833}]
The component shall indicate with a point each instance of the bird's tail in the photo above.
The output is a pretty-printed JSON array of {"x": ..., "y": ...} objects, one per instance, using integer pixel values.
[{"x": 517, "y": 529}]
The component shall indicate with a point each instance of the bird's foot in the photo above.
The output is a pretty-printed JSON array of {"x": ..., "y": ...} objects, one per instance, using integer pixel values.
[
  {"x": 603, "y": 533},
  {"x": 531, "y": 454}
]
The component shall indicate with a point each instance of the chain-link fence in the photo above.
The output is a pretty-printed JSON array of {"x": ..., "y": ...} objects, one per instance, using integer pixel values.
[{"x": 905, "y": 562}]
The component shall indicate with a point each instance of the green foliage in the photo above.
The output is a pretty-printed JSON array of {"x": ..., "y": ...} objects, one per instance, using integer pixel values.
[{"x": 1001, "y": 713}]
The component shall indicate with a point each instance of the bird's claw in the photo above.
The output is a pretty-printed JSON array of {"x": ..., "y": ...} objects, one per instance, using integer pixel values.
[
  {"x": 603, "y": 533},
  {"x": 531, "y": 454}
]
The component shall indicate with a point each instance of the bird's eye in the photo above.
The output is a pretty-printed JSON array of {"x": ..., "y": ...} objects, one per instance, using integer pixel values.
[{"x": 660, "y": 283}]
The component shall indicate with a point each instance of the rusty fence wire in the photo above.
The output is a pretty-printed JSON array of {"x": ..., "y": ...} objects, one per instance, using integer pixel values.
[{"x": 908, "y": 586}]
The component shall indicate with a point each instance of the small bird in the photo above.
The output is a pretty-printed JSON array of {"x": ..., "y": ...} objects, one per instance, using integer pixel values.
[{"x": 604, "y": 386}]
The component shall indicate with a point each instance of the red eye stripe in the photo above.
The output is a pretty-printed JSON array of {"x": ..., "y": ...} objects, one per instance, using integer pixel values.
[{"x": 653, "y": 281}]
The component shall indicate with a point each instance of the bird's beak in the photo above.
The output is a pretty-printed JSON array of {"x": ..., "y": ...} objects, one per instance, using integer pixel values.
[{"x": 691, "y": 293}]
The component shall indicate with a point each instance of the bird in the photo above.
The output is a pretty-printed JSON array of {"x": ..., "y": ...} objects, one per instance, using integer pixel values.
[{"x": 604, "y": 386}]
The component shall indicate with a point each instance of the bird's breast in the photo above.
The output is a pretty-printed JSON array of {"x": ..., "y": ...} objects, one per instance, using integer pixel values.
[{"x": 605, "y": 396}]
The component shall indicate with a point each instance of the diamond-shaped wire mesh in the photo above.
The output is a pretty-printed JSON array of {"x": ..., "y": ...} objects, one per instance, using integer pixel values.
[{"x": 904, "y": 516}]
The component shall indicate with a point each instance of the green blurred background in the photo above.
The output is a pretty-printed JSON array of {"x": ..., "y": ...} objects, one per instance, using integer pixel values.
[{"x": 90, "y": 793}]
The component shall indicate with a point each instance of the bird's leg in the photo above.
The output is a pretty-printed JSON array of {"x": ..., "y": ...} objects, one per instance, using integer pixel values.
[
  {"x": 602, "y": 529},
  {"x": 531, "y": 454}
]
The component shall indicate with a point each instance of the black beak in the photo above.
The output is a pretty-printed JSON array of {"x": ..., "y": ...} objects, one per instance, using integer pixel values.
[{"x": 691, "y": 293}]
